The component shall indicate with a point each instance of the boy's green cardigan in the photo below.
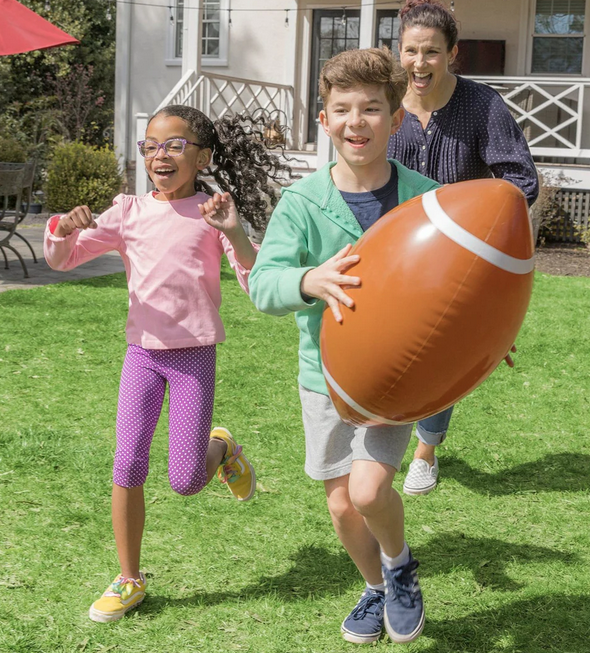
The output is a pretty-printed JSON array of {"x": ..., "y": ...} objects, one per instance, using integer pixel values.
[{"x": 310, "y": 224}]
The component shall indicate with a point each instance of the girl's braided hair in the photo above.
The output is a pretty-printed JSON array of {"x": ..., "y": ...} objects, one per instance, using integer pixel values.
[{"x": 241, "y": 163}]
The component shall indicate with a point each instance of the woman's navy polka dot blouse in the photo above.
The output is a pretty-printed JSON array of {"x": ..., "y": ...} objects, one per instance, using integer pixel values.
[{"x": 473, "y": 136}]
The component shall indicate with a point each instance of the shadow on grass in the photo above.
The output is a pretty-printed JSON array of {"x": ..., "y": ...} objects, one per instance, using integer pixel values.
[
  {"x": 556, "y": 623},
  {"x": 564, "y": 472},
  {"x": 485, "y": 557},
  {"x": 315, "y": 571},
  {"x": 116, "y": 280},
  {"x": 225, "y": 275},
  {"x": 319, "y": 572}
]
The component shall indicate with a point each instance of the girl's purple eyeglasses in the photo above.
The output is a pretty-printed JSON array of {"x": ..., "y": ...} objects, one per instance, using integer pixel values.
[{"x": 171, "y": 147}]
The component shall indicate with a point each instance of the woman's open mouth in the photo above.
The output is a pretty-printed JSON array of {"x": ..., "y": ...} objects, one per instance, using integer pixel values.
[{"x": 421, "y": 80}]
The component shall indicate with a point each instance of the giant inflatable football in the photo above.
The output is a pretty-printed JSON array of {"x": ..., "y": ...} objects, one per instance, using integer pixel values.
[{"x": 446, "y": 281}]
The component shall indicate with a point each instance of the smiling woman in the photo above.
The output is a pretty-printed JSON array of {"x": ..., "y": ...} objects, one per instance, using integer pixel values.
[{"x": 453, "y": 130}]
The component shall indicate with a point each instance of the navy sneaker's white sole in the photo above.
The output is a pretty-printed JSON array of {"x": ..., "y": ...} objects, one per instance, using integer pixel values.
[
  {"x": 355, "y": 638},
  {"x": 403, "y": 639}
]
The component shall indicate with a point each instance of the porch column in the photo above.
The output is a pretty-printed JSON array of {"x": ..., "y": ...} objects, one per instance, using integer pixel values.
[
  {"x": 141, "y": 176},
  {"x": 123, "y": 118},
  {"x": 192, "y": 35},
  {"x": 367, "y": 26}
]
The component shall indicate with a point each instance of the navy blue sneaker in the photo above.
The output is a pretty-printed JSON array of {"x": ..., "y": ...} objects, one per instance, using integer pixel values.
[
  {"x": 365, "y": 623},
  {"x": 404, "y": 608}
]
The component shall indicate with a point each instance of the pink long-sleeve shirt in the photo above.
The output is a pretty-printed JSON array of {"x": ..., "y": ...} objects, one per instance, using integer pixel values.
[{"x": 172, "y": 258}]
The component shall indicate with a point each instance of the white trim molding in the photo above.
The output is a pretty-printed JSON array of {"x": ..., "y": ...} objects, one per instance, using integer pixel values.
[
  {"x": 223, "y": 57},
  {"x": 531, "y": 35},
  {"x": 122, "y": 85},
  {"x": 172, "y": 58}
]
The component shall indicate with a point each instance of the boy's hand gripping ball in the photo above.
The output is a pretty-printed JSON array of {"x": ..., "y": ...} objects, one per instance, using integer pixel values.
[{"x": 446, "y": 279}]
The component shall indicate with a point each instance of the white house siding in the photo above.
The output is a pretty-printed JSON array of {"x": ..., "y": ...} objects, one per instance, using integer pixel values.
[
  {"x": 149, "y": 77},
  {"x": 262, "y": 48},
  {"x": 513, "y": 21},
  {"x": 495, "y": 19}
]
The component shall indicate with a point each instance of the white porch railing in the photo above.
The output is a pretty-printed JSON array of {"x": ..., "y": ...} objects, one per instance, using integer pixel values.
[
  {"x": 550, "y": 111},
  {"x": 219, "y": 95},
  {"x": 181, "y": 93}
]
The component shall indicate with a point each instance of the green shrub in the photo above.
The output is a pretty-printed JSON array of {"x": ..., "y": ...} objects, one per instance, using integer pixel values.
[
  {"x": 81, "y": 174},
  {"x": 547, "y": 213},
  {"x": 11, "y": 151}
]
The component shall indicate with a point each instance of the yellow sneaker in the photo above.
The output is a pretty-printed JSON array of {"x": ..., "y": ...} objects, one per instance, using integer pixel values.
[
  {"x": 235, "y": 468},
  {"x": 122, "y": 595}
]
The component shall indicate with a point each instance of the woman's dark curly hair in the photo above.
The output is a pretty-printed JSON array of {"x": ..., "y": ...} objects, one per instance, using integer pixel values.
[
  {"x": 241, "y": 163},
  {"x": 429, "y": 13}
]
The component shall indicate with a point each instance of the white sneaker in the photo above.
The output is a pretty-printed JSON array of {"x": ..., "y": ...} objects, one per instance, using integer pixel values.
[{"x": 421, "y": 477}]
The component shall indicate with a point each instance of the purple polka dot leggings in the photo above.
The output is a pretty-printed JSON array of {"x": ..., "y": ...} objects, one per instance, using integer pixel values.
[{"x": 190, "y": 373}]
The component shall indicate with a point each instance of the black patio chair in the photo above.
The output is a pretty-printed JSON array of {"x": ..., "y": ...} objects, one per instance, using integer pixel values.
[
  {"x": 11, "y": 188},
  {"x": 23, "y": 208}
]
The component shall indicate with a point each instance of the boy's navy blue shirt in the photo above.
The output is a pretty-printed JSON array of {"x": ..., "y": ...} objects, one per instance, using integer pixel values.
[{"x": 369, "y": 207}]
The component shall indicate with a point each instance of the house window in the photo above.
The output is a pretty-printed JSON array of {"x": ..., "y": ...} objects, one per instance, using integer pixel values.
[
  {"x": 211, "y": 28},
  {"x": 558, "y": 40},
  {"x": 387, "y": 29},
  {"x": 178, "y": 29},
  {"x": 480, "y": 57},
  {"x": 215, "y": 31}
]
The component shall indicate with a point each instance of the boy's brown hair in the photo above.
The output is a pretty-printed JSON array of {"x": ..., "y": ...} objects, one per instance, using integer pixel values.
[{"x": 367, "y": 67}]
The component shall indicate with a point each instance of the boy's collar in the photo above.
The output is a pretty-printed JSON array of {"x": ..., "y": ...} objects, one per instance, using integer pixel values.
[{"x": 335, "y": 208}]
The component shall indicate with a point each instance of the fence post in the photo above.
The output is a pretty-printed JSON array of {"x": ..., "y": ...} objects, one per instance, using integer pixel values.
[{"x": 141, "y": 178}]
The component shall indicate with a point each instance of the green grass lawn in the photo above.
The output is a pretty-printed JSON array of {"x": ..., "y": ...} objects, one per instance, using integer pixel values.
[{"x": 504, "y": 542}]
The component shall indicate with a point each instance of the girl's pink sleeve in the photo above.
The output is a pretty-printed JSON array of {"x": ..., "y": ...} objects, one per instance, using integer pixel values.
[
  {"x": 241, "y": 272},
  {"x": 83, "y": 246}
]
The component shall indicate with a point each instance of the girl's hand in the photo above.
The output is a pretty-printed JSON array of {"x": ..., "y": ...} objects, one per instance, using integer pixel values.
[
  {"x": 326, "y": 281},
  {"x": 220, "y": 212},
  {"x": 79, "y": 218}
]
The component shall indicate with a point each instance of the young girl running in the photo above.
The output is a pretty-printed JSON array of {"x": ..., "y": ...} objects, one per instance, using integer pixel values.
[{"x": 171, "y": 242}]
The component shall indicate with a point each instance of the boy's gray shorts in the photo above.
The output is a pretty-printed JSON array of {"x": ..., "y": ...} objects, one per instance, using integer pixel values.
[{"x": 331, "y": 445}]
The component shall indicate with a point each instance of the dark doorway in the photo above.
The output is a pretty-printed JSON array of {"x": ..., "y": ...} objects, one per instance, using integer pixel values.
[
  {"x": 333, "y": 31},
  {"x": 387, "y": 29},
  {"x": 336, "y": 30}
]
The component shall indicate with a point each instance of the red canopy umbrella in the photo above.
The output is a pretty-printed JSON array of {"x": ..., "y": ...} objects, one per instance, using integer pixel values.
[{"x": 22, "y": 30}]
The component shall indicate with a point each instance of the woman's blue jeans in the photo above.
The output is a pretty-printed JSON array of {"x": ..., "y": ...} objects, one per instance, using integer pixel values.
[{"x": 433, "y": 430}]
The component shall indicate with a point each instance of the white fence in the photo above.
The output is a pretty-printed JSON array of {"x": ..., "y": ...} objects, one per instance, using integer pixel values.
[
  {"x": 550, "y": 111},
  {"x": 219, "y": 95}
]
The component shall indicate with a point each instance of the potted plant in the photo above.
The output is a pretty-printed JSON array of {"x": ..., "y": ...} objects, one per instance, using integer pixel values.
[{"x": 36, "y": 205}]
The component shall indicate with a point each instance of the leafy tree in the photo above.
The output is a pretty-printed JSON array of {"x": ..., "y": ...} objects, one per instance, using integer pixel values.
[{"x": 67, "y": 92}]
